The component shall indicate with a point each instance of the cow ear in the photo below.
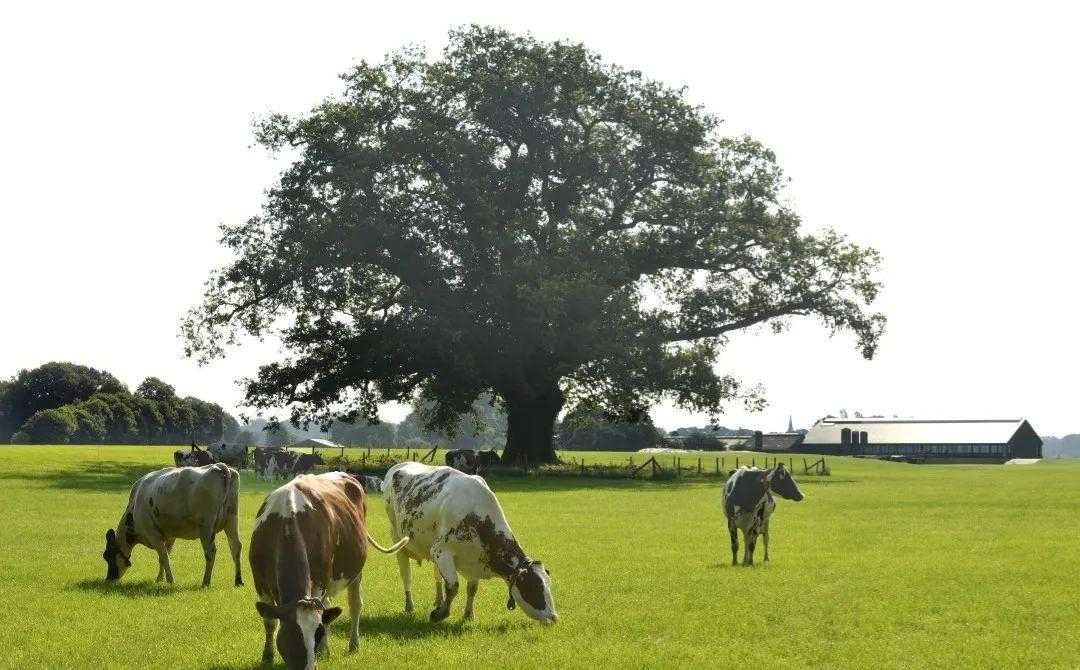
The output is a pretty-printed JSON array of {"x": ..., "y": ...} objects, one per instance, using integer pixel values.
[
  {"x": 267, "y": 611},
  {"x": 769, "y": 475},
  {"x": 329, "y": 615}
]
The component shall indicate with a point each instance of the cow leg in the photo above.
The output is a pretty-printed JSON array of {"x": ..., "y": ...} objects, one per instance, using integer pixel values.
[
  {"x": 733, "y": 530},
  {"x": 270, "y": 625},
  {"x": 751, "y": 540},
  {"x": 356, "y": 603},
  {"x": 406, "y": 579},
  {"x": 438, "y": 587},
  {"x": 164, "y": 566},
  {"x": 210, "y": 552},
  {"x": 470, "y": 597},
  {"x": 232, "y": 533},
  {"x": 444, "y": 563},
  {"x": 765, "y": 538}
]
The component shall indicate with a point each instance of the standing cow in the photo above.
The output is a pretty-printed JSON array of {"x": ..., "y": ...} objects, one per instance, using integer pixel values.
[
  {"x": 464, "y": 460},
  {"x": 185, "y": 503},
  {"x": 454, "y": 520},
  {"x": 310, "y": 542},
  {"x": 748, "y": 504},
  {"x": 234, "y": 455},
  {"x": 195, "y": 457}
]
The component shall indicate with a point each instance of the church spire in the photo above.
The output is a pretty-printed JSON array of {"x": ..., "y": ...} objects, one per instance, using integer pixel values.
[{"x": 790, "y": 427}]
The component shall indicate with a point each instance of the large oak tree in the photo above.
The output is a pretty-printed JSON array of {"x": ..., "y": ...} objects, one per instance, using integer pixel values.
[{"x": 520, "y": 218}]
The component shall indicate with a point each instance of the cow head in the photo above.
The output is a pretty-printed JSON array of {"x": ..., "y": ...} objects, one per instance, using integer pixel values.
[
  {"x": 783, "y": 484},
  {"x": 530, "y": 585},
  {"x": 302, "y": 630},
  {"x": 116, "y": 558}
]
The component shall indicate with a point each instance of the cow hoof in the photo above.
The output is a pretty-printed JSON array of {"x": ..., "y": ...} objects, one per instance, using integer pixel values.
[
  {"x": 468, "y": 616},
  {"x": 438, "y": 615}
]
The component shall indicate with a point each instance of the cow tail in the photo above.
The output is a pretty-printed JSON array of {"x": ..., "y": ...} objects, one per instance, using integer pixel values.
[
  {"x": 392, "y": 549},
  {"x": 232, "y": 492}
]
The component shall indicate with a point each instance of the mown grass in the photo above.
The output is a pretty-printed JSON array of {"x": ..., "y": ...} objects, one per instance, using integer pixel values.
[{"x": 883, "y": 565}]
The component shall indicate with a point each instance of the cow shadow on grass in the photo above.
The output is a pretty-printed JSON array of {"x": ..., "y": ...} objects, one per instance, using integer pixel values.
[
  {"x": 99, "y": 476},
  {"x": 143, "y": 589}
]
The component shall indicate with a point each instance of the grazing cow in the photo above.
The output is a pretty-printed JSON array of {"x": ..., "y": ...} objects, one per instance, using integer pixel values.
[
  {"x": 370, "y": 484},
  {"x": 486, "y": 459},
  {"x": 464, "y": 460},
  {"x": 305, "y": 463},
  {"x": 455, "y": 521},
  {"x": 271, "y": 463},
  {"x": 748, "y": 504},
  {"x": 186, "y": 503},
  {"x": 196, "y": 457},
  {"x": 310, "y": 542},
  {"x": 233, "y": 455}
]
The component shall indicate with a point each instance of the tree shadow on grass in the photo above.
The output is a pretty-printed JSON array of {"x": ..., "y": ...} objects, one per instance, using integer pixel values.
[
  {"x": 143, "y": 589},
  {"x": 100, "y": 476}
]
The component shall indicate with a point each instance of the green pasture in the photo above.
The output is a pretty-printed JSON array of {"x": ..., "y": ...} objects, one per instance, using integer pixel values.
[{"x": 883, "y": 565}]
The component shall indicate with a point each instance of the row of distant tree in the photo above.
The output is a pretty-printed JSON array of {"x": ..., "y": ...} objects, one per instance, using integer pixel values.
[{"x": 65, "y": 403}]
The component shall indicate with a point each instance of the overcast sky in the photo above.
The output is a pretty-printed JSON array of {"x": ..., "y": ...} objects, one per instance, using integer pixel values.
[{"x": 945, "y": 135}]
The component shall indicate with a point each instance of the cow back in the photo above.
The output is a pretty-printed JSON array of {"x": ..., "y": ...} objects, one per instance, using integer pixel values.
[{"x": 329, "y": 514}]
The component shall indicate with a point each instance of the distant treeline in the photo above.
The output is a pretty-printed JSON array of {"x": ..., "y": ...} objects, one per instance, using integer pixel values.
[
  {"x": 1061, "y": 447},
  {"x": 65, "y": 403}
]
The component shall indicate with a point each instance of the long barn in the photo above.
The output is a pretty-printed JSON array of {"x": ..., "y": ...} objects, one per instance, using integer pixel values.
[{"x": 956, "y": 440}]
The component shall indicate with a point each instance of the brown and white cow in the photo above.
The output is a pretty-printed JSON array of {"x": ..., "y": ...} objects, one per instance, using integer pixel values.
[
  {"x": 310, "y": 542},
  {"x": 185, "y": 503},
  {"x": 454, "y": 520}
]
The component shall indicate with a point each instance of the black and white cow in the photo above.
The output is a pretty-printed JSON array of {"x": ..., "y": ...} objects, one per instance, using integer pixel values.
[
  {"x": 185, "y": 503},
  {"x": 233, "y": 455},
  {"x": 748, "y": 504},
  {"x": 454, "y": 520},
  {"x": 194, "y": 458},
  {"x": 485, "y": 459},
  {"x": 309, "y": 543},
  {"x": 464, "y": 460}
]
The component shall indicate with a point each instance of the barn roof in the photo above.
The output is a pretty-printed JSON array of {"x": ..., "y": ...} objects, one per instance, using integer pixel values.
[
  {"x": 314, "y": 442},
  {"x": 917, "y": 431}
]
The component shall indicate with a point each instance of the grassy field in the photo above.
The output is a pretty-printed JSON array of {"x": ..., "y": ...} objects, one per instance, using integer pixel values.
[{"x": 883, "y": 565}]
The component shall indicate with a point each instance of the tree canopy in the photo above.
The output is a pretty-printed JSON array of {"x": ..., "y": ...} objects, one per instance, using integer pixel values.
[
  {"x": 60, "y": 403},
  {"x": 519, "y": 218}
]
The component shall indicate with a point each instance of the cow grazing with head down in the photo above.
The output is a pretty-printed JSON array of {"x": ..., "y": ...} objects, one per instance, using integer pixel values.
[
  {"x": 310, "y": 542},
  {"x": 195, "y": 458},
  {"x": 185, "y": 503},
  {"x": 485, "y": 459},
  {"x": 464, "y": 460},
  {"x": 285, "y": 463},
  {"x": 234, "y": 455},
  {"x": 748, "y": 505},
  {"x": 454, "y": 520}
]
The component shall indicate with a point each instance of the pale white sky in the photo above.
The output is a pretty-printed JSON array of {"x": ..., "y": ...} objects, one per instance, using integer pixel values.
[{"x": 944, "y": 134}]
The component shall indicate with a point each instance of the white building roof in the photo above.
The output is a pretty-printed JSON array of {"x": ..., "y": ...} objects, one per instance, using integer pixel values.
[{"x": 916, "y": 431}]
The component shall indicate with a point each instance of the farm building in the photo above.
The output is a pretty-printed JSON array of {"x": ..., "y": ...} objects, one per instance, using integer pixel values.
[
  {"x": 313, "y": 444},
  {"x": 958, "y": 440},
  {"x": 775, "y": 442}
]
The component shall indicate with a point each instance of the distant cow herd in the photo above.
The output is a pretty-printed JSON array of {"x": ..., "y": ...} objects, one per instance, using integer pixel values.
[{"x": 311, "y": 536}]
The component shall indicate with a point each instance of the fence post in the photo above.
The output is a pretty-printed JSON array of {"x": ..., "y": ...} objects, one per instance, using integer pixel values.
[
  {"x": 718, "y": 466},
  {"x": 790, "y": 460},
  {"x": 699, "y": 465},
  {"x": 736, "y": 462},
  {"x": 583, "y": 466},
  {"x": 805, "y": 467},
  {"x": 753, "y": 462}
]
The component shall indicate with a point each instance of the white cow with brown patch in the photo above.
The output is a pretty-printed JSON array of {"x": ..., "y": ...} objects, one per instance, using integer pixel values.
[
  {"x": 309, "y": 543},
  {"x": 187, "y": 503},
  {"x": 454, "y": 520}
]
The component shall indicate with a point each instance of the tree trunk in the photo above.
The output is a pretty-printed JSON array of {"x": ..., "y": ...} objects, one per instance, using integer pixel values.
[{"x": 530, "y": 427}]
